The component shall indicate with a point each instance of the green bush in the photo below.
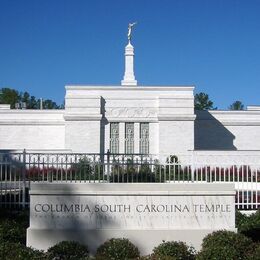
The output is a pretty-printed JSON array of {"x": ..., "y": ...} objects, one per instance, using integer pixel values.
[
  {"x": 86, "y": 169},
  {"x": 131, "y": 173},
  {"x": 249, "y": 225},
  {"x": 173, "y": 250},
  {"x": 17, "y": 251},
  {"x": 20, "y": 216},
  {"x": 224, "y": 245},
  {"x": 68, "y": 250},
  {"x": 17, "y": 214},
  {"x": 117, "y": 249},
  {"x": 12, "y": 231},
  {"x": 254, "y": 252}
]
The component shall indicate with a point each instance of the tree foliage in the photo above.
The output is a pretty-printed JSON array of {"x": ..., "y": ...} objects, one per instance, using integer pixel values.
[
  {"x": 117, "y": 249},
  {"x": 224, "y": 244},
  {"x": 174, "y": 250},
  {"x": 202, "y": 102},
  {"x": 12, "y": 96},
  {"x": 9, "y": 96},
  {"x": 237, "y": 105}
]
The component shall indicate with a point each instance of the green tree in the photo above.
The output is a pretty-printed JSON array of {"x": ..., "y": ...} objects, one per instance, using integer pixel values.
[
  {"x": 49, "y": 104},
  {"x": 33, "y": 103},
  {"x": 202, "y": 102},
  {"x": 25, "y": 97},
  {"x": 12, "y": 96},
  {"x": 237, "y": 105},
  {"x": 9, "y": 96}
]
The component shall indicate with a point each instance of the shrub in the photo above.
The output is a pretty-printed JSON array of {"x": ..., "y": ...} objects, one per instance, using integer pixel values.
[
  {"x": 17, "y": 251},
  {"x": 117, "y": 249},
  {"x": 19, "y": 214},
  {"x": 68, "y": 250},
  {"x": 224, "y": 245},
  {"x": 249, "y": 225},
  {"x": 131, "y": 173},
  {"x": 12, "y": 231},
  {"x": 254, "y": 253},
  {"x": 173, "y": 250}
]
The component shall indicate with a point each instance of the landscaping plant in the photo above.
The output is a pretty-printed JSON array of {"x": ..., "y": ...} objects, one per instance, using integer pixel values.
[
  {"x": 249, "y": 225},
  {"x": 66, "y": 250},
  {"x": 117, "y": 249},
  {"x": 173, "y": 250},
  {"x": 18, "y": 251},
  {"x": 225, "y": 245}
]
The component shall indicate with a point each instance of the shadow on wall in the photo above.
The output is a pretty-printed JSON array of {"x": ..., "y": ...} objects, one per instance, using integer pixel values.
[
  {"x": 76, "y": 228},
  {"x": 103, "y": 123},
  {"x": 210, "y": 134},
  {"x": 79, "y": 221}
]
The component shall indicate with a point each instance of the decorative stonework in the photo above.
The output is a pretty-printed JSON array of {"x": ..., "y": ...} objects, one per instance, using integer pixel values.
[{"x": 131, "y": 112}]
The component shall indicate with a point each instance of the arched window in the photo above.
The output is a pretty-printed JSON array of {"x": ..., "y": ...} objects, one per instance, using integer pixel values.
[
  {"x": 114, "y": 137},
  {"x": 144, "y": 138},
  {"x": 129, "y": 138}
]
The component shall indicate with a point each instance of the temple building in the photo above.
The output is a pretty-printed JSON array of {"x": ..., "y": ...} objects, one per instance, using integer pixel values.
[{"x": 130, "y": 118}]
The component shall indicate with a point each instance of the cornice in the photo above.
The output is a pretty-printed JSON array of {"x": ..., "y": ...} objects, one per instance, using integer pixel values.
[
  {"x": 176, "y": 117},
  {"x": 82, "y": 117},
  {"x": 32, "y": 112},
  {"x": 240, "y": 123},
  {"x": 31, "y": 122},
  {"x": 129, "y": 88},
  {"x": 231, "y": 112}
]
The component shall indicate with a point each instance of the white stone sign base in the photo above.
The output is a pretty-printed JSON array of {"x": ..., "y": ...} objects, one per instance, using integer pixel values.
[{"x": 145, "y": 213}]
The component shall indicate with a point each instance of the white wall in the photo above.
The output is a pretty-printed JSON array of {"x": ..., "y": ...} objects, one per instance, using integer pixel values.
[
  {"x": 226, "y": 157},
  {"x": 227, "y": 130},
  {"x": 82, "y": 117},
  {"x": 168, "y": 110},
  {"x": 84, "y": 125},
  {"x": 176, "y": 137},
  {"x": 32, "y": 129},
  {"x": 83, "y": 136}
]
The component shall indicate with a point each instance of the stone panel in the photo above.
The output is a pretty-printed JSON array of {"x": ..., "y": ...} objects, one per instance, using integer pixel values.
[
  {"x": 32, "y": 129},
  {"x": 32, "y": 136},
  {"x": 176, "y": 137},
  {"x": 83, "y": 136},
  {"x": 136, "y": 211},
  {"x": 227, "y": 130}
]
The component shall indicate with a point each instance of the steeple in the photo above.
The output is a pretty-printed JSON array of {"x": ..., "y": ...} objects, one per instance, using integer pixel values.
[{"x": 129, "y": 77}]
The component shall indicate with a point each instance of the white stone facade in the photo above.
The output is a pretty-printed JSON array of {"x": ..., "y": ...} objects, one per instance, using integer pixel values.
[
  {"x": 90, "y": 110},
  {"x": 32, "y": 129},
  {"x": 227, "y": 130},
  {"x": 172, "y": 125}
]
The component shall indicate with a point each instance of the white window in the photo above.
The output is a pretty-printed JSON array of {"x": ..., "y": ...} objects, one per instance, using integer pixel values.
[
  {"x": 144, "y": 138},
  {"x": 129, "y": 138},
  {"x": 114, "y": 137}
]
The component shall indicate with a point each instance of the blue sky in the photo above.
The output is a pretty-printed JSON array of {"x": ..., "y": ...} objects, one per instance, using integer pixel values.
[{"x": 212, "y": 44}]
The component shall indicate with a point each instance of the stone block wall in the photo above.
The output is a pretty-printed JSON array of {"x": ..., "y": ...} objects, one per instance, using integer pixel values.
[
  {"x": 32, "y": 129},
  {"x": 227, "y": 130},
  {"x": 174, "y": 128},
  {"x": 168, "y": 110}
]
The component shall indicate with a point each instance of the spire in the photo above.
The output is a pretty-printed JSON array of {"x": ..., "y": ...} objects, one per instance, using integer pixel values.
[{"x": 129, "y": 77}]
